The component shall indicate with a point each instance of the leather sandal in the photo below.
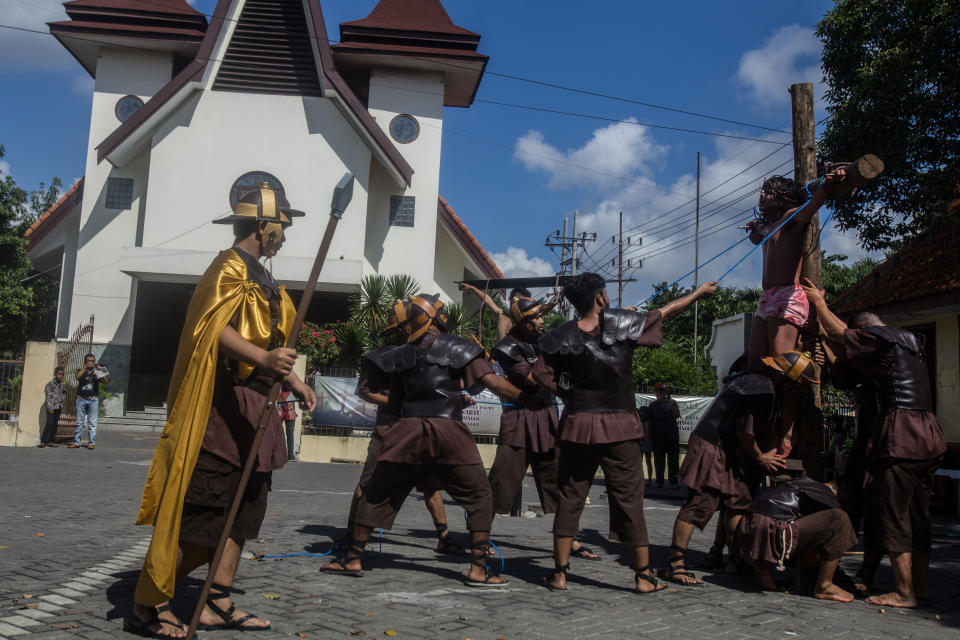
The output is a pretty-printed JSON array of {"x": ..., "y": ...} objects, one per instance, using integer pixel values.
[
  {"x": 345, "y": 554},
  {"x": 481, "y": 561},
  {"x": 133, "y": 624},
  {"x": 548, "y": 580},
  {"x": 229, "y": 622},
  {"x": 638, "y": 574}
]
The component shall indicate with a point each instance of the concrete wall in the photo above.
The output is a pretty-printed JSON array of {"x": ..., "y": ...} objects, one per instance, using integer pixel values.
[
  {"x": 38, "y": 364},
  {"x": 354, "y": 450},
  {"x": 730, "y": 338}
]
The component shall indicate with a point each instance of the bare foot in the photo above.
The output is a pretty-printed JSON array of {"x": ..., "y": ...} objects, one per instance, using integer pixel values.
[
  {"x": 168, "y": 627},
  {"x": 482, "y": 574},
  {"x": 351, "y": 565},
  {"x": 832, "y": 592},
  {"x": 580, "y": 551},
  {"x": 893, "y": 599},
  {"x": 557, "y": 581},
  {"x": 209, "y": 618}
]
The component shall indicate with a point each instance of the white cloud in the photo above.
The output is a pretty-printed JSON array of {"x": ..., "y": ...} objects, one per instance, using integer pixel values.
[
  {"x": 515, "y": 263},
  {"x": 4, "y": 168},
  {"x": 21, "y": 50},
  {"x": 620, "y": 150},
  {"x": 790, "y": 55}
]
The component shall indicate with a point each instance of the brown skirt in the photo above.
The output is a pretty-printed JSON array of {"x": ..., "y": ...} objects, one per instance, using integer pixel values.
[
  {"x": 708, "y": 466},
  {"x": 209, "y": 495}
]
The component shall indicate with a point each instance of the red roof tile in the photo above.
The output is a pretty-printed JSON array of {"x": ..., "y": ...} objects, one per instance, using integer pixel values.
[
  {"x": 410, "y": 15},
  {"x": 467, "y": 239},
  {"x": 148, "y": 6},
  {"x": 926, "y": 272},
  {"x": 52, "y": 216}
]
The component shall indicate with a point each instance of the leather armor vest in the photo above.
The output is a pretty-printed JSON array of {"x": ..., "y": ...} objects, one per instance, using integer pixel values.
[
  {"x": 509, "y": 352},
  {"x": 794, "y": 499},
  {"x": 742, "y": 393},
  {"x": 905, "y": 383},
  {"x": 430, "y": 376},
  {"x": 599, "y": 365},
  {"x": 385, "y": 414}
]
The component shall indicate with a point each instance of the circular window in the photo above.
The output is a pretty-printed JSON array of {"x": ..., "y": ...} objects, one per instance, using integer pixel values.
[
  {"x": 404, "y": 128},
  {"x": 252, "y": 180},
  {"x": 126, "y": 107}
]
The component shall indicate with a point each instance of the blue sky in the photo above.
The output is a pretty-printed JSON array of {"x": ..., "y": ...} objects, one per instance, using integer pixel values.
[{"x": 513, "y": 174}]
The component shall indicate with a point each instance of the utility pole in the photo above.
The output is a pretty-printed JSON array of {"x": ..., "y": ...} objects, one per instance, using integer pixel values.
[
  {"x": 696, "y": 265},
  {"x": 568, "y": 245},
  {"x": 573, "y": 259},
  {"x": 620, "y": 266}
]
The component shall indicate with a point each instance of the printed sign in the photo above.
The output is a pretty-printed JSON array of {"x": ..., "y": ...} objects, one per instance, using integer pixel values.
[{"x": 337, "y": 406}]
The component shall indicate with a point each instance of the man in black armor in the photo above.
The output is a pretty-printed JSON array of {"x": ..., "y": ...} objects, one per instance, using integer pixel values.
[
  {"x": 600, "y": 426},
  {"x": 904, "y": 449},
  {"x": 527, "y": 434},
  {"x": 373, "y": 386},
  {"x": 430, "y": 438}
]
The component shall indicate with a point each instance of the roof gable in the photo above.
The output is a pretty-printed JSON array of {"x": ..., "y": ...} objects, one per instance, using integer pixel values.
[{"x": 467, "y": 240}]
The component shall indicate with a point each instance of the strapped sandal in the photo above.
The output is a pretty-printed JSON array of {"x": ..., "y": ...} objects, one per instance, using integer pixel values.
[
  {"x": 229, "y": 622},
  {"x": 638, "y": 574},
  {"x": 582, "y": 551},
  {"x": 548, "y": 580},
  {"x": 481, "y": 561},
  {"x": 677, "y": 567},
  {"x": 445, "y": 543},
  {"x": 133, "y": 624},
  {"x": 346, "y": 552}
]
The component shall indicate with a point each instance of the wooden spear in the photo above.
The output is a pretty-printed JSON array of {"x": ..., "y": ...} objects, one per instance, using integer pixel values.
[{"x": 342, "y": 195}]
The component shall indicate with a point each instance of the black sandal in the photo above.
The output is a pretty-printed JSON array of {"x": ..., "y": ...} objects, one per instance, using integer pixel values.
[
  {"x": 229, "y": 622},
  {"x": 677, "y": 567},
  {"x": 582, "y": 551},
  {"x": 133, "y": 624},
  {"x": 481, "y": 561},
  {"x": 350, "y": 551},
  {"x": 638, "y": 574},
  {"x": 548, "y": 580},
  {"x": 445, "y": 543}
]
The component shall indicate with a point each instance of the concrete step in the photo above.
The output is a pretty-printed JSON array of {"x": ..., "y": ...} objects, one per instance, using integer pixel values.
[
  {"x": 156, "y": 410},
  {"x": 133, "y": 423}
]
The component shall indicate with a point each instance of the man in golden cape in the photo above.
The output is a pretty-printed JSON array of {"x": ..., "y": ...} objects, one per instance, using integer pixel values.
[{"x": 230, "y": 351}]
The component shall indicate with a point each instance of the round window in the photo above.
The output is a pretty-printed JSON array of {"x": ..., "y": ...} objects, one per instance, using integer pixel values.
[
  {"x": 404, "y": 128},
  {"x": 127, "y": 106}
]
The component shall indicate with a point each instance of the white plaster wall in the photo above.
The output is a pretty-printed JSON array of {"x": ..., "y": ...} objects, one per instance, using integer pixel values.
[
  {"x": 448, "y": 266},
  {"x": 198, "y": 153},
  {"x": 99, "y": 287},
  {"x": 420, "y": 94}
]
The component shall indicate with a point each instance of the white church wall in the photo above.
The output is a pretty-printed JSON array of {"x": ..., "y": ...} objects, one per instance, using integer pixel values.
[
  {"x": 393, "y": 92},
  {"x": 304, "y": 142},
  {"x": 448, "y": 266}
]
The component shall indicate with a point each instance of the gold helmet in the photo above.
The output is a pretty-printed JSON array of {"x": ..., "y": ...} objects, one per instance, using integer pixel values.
[
  {"x": 795, "y": 366},
  {"x": 263, "y": 204},
  {"x": 397, "y": 318},
  {"x": 425, "y": 309},
  {"x": 524, "y": 310}
]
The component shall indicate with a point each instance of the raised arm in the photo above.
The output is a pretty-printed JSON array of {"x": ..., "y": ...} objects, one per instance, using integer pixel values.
[
  {"x": 485, "y": 298},
  {"x": 674, "y": 307},
  {"x": 832, "y": 325}
]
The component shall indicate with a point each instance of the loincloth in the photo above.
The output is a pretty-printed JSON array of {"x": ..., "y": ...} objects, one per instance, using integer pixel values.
[{"x": 787, "y": 302}]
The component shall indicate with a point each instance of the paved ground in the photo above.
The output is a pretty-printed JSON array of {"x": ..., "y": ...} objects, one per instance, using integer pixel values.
[{"x": 69, "y": 554}]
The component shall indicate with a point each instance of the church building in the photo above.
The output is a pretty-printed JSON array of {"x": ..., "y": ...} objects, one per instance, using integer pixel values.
[{"x": 188, "y": 113}]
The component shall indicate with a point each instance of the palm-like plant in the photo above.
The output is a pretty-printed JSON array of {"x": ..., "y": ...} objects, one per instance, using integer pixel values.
[
  {"x": 369, "y": 304},
  {"x": 401, "y": 286},
  {"x": 459, "y": 321},
  {"x": 354, "y": 341}
]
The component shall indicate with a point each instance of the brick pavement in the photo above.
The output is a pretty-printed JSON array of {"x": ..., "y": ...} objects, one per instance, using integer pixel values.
[{"x": 81, "y": 572}]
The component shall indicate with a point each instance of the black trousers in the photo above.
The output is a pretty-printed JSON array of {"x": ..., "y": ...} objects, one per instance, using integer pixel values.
[
  {"x": 672, "y": 459},
  {"x": 50, "y": 428}
]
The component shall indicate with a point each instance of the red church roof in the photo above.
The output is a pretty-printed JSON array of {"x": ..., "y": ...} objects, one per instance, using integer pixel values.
[{"x": 421, "y": 15}]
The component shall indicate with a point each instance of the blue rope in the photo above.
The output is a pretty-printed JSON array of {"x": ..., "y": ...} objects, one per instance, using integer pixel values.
[
  {"x": 692, "y": 270},
  {"x": 497, "y": 549},
  {"x": 770, "y": 235}
]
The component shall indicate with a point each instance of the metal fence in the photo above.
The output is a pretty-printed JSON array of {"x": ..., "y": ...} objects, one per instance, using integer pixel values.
[
  {"x": 70, "y": 355},
  {"x": 11, "y": 375}
]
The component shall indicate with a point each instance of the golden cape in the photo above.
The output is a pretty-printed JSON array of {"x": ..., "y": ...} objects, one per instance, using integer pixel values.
[{"x": 224, "y": 294}]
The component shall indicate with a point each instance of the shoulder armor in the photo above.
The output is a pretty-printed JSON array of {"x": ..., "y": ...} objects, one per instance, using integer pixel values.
[
  {"x": 749, "y": 384},
  {"x": 907, "y": 339},
  {"x": 563, "y": 340},
  {"x": 390, "y": 358},
  {"x": 452, "y": 351},
  {"x": 622, "y": 324},
  {"x": 514, "y": 350}
]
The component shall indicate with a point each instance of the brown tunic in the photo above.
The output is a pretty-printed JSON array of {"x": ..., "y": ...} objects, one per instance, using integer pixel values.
[
  {"x": 903, "y": 434},
  {"x": 533, "y": 429},
  {"x": 585, "y": 427},
  {"x": 433, "y": 440}
]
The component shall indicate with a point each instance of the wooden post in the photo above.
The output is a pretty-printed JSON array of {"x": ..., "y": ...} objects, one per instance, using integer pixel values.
[
  {"x": 804, "y": 170},
  {"x": 696, "y": 264}
]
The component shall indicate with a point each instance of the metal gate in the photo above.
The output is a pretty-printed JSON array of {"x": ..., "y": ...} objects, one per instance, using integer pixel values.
[
  {"x": 11, "y": 375},
  {"x": 70, "y": 356}
]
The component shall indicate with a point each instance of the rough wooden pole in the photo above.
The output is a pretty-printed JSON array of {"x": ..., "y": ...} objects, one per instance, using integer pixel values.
[{"x": 804, "y": 170}]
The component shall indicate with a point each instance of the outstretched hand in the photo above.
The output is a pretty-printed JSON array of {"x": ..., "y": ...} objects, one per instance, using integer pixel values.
[
  {"x": 707, "y": 289},
  {"x": 814, "y": 294}
]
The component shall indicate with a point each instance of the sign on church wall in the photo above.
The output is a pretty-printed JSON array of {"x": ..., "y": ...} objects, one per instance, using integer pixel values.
[{"x": 402, "y": 209}]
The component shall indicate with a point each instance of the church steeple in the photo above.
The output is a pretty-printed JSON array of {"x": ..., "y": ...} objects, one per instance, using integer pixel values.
[{"x": 412, "y": 34}]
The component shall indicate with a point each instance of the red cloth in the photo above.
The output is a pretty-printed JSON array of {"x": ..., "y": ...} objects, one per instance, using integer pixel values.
[
  {"x": 599, "y": 427},
  {"x": 904, "y": 434}
]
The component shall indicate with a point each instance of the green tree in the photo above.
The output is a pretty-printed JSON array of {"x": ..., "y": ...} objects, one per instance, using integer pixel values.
[
  {"x": 894, "y": 90},
  {"x": 24, "y": 298},
  {"x": 838, "y": 277}
]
